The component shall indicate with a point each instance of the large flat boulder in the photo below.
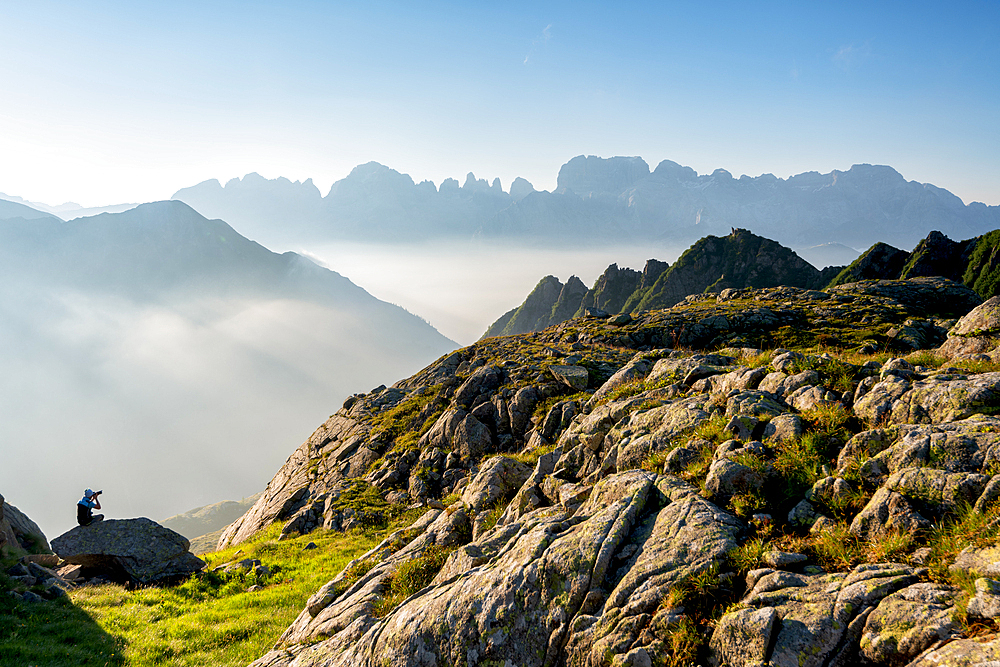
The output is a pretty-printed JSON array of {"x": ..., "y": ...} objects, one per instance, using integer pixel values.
[{"x": 139, "y": 550}]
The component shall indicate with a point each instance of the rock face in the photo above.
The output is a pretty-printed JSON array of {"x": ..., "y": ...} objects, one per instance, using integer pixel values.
[
  {"x": 552, "y": 585},
  {"x": 978, "y": 332},
  {"x": 972, "y": 262},
  {"x": 139, "y": 550}
]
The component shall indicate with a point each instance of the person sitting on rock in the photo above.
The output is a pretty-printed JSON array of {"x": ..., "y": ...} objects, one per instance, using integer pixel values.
[{"x": 85, "y": 508}]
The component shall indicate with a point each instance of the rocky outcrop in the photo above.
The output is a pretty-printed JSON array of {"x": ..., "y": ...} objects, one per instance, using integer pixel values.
[
  {"x": 879, "y": 261},
  {"x": 549, "y": 303},
  {"x": 612, "y": 289},
  {"x": 138, "y": 551},
  {"x": 973, "y": 262},
  {"x": 553, "y": 585},
  {"x": 737, "y": 261},
  {"x": 18, "y": 533},
  {"x": 806, "y": 620}
]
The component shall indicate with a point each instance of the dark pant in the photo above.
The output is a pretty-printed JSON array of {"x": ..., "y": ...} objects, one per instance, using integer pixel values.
[{"x": 85, "y": 517}]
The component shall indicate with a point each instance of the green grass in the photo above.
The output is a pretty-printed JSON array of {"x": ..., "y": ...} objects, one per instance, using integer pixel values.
[
  {"x": 401, "y": 423},
  {"x": 748, "y": 556},
  {"x": 209, "y": 619},
  {"x": 530, "y": 457},
  {"x": 837, "y": 375}
]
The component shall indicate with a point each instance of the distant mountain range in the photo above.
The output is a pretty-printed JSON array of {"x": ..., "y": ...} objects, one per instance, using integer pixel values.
[
  {"x": 743, "y": 260},
  {"x": 166, "y": 358},
  {"x": 597, "y": 201},
  {"x": 69, "y": 210}
]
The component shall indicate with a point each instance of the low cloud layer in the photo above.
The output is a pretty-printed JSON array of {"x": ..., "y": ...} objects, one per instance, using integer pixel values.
[
  {"x": 463, "y": 287},
  {"x": 168, "y": 407}
]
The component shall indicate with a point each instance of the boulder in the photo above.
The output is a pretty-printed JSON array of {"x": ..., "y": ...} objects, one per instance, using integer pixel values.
[
  {"x": 636, "y": 369},
  {"x": 805, "y": 620},
  {"x": 986, "y": 602},
  {"x": 574, "y": 377},
  {"x": 138, "y": 550},
  {"x": 459, "y": 432},
  {"x": 886, "y": 513},
  {"x": 976, "y": 333},
  {"x": 907, "y": 622},
  {"x": 979, "y": 652},
  {"x": 754, "y": 403}
]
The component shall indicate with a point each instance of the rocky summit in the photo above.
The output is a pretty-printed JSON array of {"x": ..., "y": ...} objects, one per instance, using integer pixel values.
[
  {"x": 137, "y": 551},
  {"x": 778, "y": 476}
]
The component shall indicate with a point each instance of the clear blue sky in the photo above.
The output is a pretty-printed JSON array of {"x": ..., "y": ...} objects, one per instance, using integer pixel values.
[{"x": 106, "y": 102}]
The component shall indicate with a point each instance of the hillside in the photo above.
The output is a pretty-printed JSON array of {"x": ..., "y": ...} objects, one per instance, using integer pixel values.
[
  {"x": 597, "y": 201},
  {"x": 166, "y": 358},
  {"x": 736, "y": 261},
  {"x": 603, "y": 494},
  {"x": 209, "y": 518}
]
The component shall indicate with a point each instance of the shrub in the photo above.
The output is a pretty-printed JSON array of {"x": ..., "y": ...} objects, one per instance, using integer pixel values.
[
  {"x": 410, "y": 577},
  {"x": 836, "y": 548},
  {"x": 656, "y": 461},
  {"x": 747, "y": 504}
]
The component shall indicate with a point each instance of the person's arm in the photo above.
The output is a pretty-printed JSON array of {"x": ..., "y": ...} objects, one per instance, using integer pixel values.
[{"x": 98, "y": 501}]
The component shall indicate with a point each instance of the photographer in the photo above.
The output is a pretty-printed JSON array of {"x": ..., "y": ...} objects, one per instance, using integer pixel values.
[{"x": 85, "y": 508}]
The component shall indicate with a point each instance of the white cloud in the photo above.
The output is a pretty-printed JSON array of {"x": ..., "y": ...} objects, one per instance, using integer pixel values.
[{"x": 542, "y": 38}]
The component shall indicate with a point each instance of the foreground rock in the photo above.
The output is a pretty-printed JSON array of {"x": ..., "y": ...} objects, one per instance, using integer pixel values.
[
  {"x": 137, "y": 550},
  {"x": 553, "y": 586}
]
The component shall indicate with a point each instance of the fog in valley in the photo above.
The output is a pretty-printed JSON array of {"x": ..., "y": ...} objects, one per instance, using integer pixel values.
[
  {"x": 169, "y": 408},
  {"x": 463, "y": 287},
  {"x": 174, "y": 368}
]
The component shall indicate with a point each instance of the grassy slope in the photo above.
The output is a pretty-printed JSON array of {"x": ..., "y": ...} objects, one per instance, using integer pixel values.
[{"x": 209, "y": 619}]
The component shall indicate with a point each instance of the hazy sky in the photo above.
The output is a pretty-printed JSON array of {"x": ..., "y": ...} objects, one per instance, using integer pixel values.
[{"x": 105, "y": 102}]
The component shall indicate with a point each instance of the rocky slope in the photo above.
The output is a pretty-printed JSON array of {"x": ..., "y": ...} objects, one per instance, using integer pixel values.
[
  {"x": 740, "y": 259},
  {"x": 617, "y": 200},
  {"x": 678, "y": 489}
]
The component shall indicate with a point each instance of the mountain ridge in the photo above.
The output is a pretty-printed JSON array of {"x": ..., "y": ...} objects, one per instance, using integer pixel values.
[
  {"x": 739, "y": 260},
  {"x": 598, "y": 200}
]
